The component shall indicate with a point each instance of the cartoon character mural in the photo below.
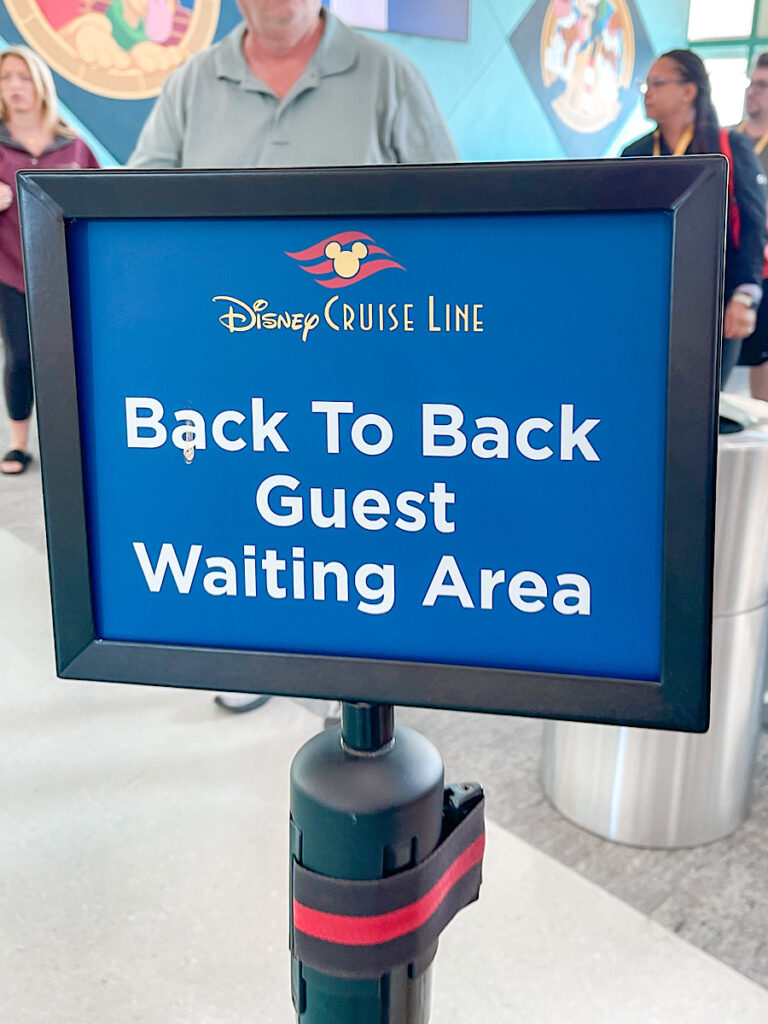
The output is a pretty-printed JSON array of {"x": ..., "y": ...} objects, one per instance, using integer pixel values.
[
  {"x": 124, "y": 49},
  {"x": 589, "y": 46},
  {"x": 119, "y": 33},
  {"x": 118, "y": 48}
]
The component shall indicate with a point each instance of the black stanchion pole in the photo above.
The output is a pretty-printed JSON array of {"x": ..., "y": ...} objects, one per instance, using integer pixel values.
[{"x": 366, "y": 803}]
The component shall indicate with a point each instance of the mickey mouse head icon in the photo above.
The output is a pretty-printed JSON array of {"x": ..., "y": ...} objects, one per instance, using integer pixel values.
[{"x": 346, "y": 262}]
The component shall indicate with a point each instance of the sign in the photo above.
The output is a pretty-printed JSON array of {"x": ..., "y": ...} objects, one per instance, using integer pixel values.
[{"x": 431, "y": 445}]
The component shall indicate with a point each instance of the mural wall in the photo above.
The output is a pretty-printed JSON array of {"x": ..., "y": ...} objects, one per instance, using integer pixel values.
[{"x": 517, "y": 79}]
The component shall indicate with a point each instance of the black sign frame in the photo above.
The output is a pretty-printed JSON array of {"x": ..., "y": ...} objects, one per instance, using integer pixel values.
[{"x": 690, "y": 189}]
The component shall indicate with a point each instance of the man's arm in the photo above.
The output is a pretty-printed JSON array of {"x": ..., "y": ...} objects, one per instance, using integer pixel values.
[
  {"x": 419, "y": 132},
  {"x": 750, "y": 195},
  {"x": 161, "y": 142}
]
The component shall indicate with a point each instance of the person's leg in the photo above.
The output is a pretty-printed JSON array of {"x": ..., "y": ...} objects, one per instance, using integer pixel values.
[
  {"x": 19, "y": 442},
  {"x": 754, "y": 352},
  {"x": 17, "y": 377}
]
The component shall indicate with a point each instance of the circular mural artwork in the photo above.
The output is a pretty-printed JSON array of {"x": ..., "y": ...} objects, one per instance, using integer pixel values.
[
  {"x": 589, "y": 46},
  {"x": 123, "y": 49}
]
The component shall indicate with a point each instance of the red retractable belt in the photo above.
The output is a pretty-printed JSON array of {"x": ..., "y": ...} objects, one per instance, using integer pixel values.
[{"x": 362, "y": 929}]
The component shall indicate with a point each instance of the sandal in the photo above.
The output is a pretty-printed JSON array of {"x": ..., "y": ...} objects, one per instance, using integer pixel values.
[{"x": 22, "y": 458}]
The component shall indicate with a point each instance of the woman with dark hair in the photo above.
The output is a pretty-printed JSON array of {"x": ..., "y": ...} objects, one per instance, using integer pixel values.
[{"x": 678, "y": 98}]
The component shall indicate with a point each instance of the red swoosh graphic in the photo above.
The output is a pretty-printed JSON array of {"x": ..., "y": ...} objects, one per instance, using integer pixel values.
[
  {"x": 327, "y": 265},
  {"x": 319, "y": 249},
  {"x": 365, "y": 271},
  {"x": 320, "y": 268}
]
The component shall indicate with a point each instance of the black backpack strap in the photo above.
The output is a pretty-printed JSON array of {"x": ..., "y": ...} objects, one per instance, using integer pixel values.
[{"x": 354, "y": 929}]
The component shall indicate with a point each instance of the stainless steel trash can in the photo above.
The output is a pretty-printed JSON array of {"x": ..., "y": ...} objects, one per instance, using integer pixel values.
[{"x": 669, "y": 789}]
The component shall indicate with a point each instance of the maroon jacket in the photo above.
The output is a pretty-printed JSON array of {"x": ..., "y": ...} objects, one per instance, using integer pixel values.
[{"x": 64, "y": 152}]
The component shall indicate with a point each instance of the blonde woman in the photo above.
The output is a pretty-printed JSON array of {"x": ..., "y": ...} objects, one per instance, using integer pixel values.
[{"x": 32, "y": 135}]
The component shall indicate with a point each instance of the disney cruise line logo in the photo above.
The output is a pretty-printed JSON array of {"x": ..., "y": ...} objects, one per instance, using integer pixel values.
[
  {"x": 123, "y": 49},
  {"x": 344, "y": 259}
]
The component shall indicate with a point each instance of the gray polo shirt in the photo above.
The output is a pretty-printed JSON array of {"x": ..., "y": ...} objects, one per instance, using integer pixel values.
[{"x": 358, "y": 102}]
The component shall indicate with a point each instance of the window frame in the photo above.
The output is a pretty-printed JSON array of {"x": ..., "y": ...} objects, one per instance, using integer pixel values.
[{"x": 735, "y": 45}]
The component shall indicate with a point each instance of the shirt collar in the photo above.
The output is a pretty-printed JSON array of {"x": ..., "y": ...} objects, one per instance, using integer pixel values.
[{"x": 336, "y": 52}]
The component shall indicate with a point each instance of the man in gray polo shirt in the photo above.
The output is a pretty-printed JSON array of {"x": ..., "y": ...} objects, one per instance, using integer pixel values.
[{"x": 293, "y": 87}]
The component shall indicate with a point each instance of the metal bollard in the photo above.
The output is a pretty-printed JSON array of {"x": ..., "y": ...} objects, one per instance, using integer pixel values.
[
  {"x": 366, "y": 802},
  {"x": 669, "y": 789}
]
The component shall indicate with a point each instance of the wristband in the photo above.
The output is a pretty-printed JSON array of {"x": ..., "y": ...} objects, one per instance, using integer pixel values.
[{"x": 745, "y": 300}]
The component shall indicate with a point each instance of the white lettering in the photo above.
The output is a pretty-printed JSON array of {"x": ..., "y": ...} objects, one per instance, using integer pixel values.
[
  {"x": 149, "y": 421},
  {"x": 294, "y": 513},
  {"x": 192, "y": 433},
  {"x": 448, "y": 582},
  {"x": 376, "y": 600},
  {"x": 235, "y": 444},
  {"x": 332, "y": 411},
  {"x": 570, "y": 438},
  {"x": 168, "y": 559},
  {"x": 523, "y": 434},
  {"x": 222, "y": 578},
  {"x": 494, "y": 445},
  {"x": 525, "y": 590},
  {"x": 266, "y": 431},
  {"x": 369, "y": 508},
  {"x": 431, "y": 430},
  {"x": 384, "y": 428},
  {"x": 570, "y": 601}
]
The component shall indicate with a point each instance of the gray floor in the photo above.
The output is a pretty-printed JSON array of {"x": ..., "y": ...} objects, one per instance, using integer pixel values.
[
  {"x": 144, "y": 871},
  {"x": 715, "y": 897}
]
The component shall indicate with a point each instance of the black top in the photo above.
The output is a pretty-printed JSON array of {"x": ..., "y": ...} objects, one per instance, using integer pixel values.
[{"x": 743, "y": 265}]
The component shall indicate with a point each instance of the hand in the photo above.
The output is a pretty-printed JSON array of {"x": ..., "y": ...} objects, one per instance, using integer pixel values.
[
  {"x": 739, "y": 321},
  {"x": 6, "y": 196}
]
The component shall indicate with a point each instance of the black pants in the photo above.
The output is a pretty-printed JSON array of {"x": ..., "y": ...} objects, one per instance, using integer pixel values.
[
  {"x": 17, "y": 377},
  {"x": 754, "y": 351}
]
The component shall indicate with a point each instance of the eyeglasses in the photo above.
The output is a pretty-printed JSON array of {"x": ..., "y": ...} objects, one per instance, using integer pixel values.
[
  {"x": 757, "y": 85},
  {"x": 656, "y": 83}
]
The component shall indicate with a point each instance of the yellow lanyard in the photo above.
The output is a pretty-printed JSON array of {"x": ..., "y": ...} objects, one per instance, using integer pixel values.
[
  {"x": 680, "y": 148},
  {"x": 760, "y": 144}
]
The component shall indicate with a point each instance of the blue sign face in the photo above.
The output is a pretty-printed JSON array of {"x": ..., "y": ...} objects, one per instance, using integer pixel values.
[{"x": 435, "y": 439}]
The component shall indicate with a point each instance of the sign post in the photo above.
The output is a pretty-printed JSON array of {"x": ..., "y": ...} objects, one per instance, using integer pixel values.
[
  {"x": 439, "y": 436},
  {"x": 363, "y": 807}
]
